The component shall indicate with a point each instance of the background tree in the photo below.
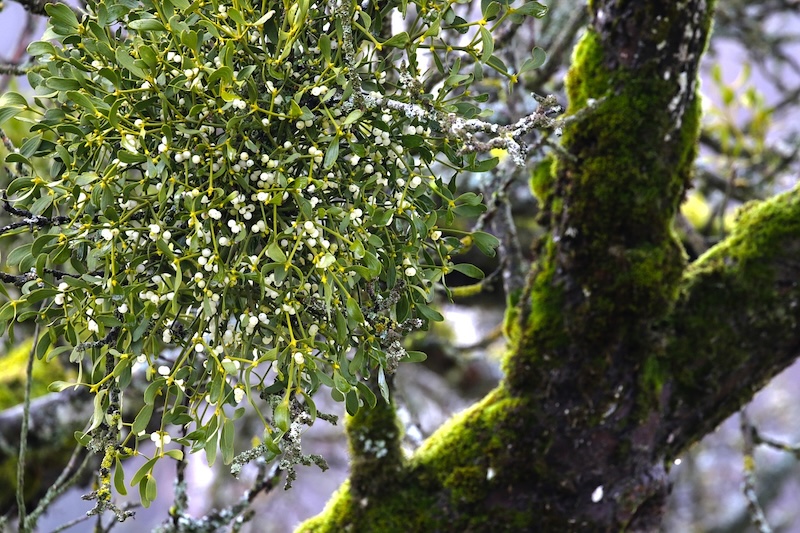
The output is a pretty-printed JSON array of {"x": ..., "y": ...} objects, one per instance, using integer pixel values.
[{"x": 620, "y": 355}]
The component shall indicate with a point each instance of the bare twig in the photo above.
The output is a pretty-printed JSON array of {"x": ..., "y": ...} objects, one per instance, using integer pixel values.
[
  {"x": 71, "y": 474},
  {"x": 23, "y": 432},
  {"x": 749, "y": 486}
]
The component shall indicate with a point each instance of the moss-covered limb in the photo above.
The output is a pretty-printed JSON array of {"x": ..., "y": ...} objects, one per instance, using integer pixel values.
[
  {"x": 476, "y": 473},
  {"x": 610, "y": 268},
  {"x": 375, "y": 437},
  {"x": 493, "y": 467},
  {"x": 737, "y": 322},
  {"x": 610, "y": 207}
]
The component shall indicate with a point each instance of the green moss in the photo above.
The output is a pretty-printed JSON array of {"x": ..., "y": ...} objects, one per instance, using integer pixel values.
[
  {"x": 541, "y": 327},
  {"x": 542, "y": 178},
  {"x": 625, "y": 183},
  {"x": 741, "y": 270},
  {"x": 449, "y": 481},
  {"x": 465, "y": 482},
  {"x": 557, "y": 206},
  {"x": 469, "y": 434},
  {"x": 374, "y": 436},
  {"x": 739, "y": 309},
  {"x": 611, "y": 267}
]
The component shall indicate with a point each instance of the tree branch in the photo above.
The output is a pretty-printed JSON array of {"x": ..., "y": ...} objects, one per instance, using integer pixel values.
[{"x": 736, "y": 323}]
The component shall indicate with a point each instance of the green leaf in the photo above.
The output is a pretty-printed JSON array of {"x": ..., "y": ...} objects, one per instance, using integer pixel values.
[
  {"x": 483, "y": 166},
  {"x": 7, "y": 113},
  {"x": 497, "y": 64},
  {"x": 151, "y": 491},
  {"x": 294, "y": 109},
  {"x": 469, "y": 210},
  {"x": 414, "y": 357},
  {"x": 275, "y": 253},
  {"x": 539, "y": 56},
  {"x": 331, "y": 154},
  {"x": 367, "y": 395},
  {"x": 485, "y": 242},
  {"x": 340, "y": 326},
  {"x": 99, "y": 414},
  {"x": 146, "y": 24},
  {"x": 82, "y": 438},
  {"x": 354, "y": 311},
  {"x": 351, "y": 402},
  {"x": 210, "y": 448},
  {"x": 245, "y": 73},
  {"x": 175, "y": 454},
  {"x": 58, "y": 386},
  {"x": 20, "y": 182},
  {"x": 226, "y": 441},
  {"x": 62, "y": 84},
  {"x": 490, "y": 11},
  {"x": 223, "y": 74},
  {"x": 382, "y": 385},
  {"x": 281, "y": 416},
  {"x": 142, "y": 419},
  {"x": 397, "y": 41},
  {"x": 40, "y": 48},
  {"x": 153, "y": 390},
  {"x": 163, "y": 247},
  {"x": 372, "y": 264},
  {"x": 324, "y": 44},
  {"x": 143, "y": 493},
  {"x": 340, "y": 383},
  {"x": 429, "y": 313},
  {"x": 13, "y": 99},
  {"x": 62, "y": 18},
  {"x": 41, "y": 242},
  {"x": 126, "y": 61},
  {"x": 534, "y": 9},
  {"x": 469, "y": 270},
  {"x": 18, "y": 254},
  {"x": 119, "y": 477},
  {"x": 352, "y": 117},
  {"x": 82, "y": 101},
  {"x": 40, "y": 294},
  {"x": 487, "y": 42}
]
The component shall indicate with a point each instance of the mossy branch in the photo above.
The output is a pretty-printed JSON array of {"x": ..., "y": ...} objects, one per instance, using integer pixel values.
[
  {"x": 736, "y": 323},
  {"x": 375, "y": 436}
]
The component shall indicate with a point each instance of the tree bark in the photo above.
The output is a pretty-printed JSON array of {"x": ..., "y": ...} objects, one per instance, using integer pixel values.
[{"x": 621, "y": 355}]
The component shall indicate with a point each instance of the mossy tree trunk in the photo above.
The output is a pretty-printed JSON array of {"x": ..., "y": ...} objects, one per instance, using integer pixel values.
[{"x": 621, "y": 354}]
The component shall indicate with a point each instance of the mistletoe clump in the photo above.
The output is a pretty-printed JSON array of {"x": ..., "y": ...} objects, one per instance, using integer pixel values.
[{"x": 240, "y": 199}]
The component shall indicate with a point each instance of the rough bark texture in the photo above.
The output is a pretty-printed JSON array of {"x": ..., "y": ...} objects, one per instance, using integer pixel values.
[{"x": 621, "y": 355}]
